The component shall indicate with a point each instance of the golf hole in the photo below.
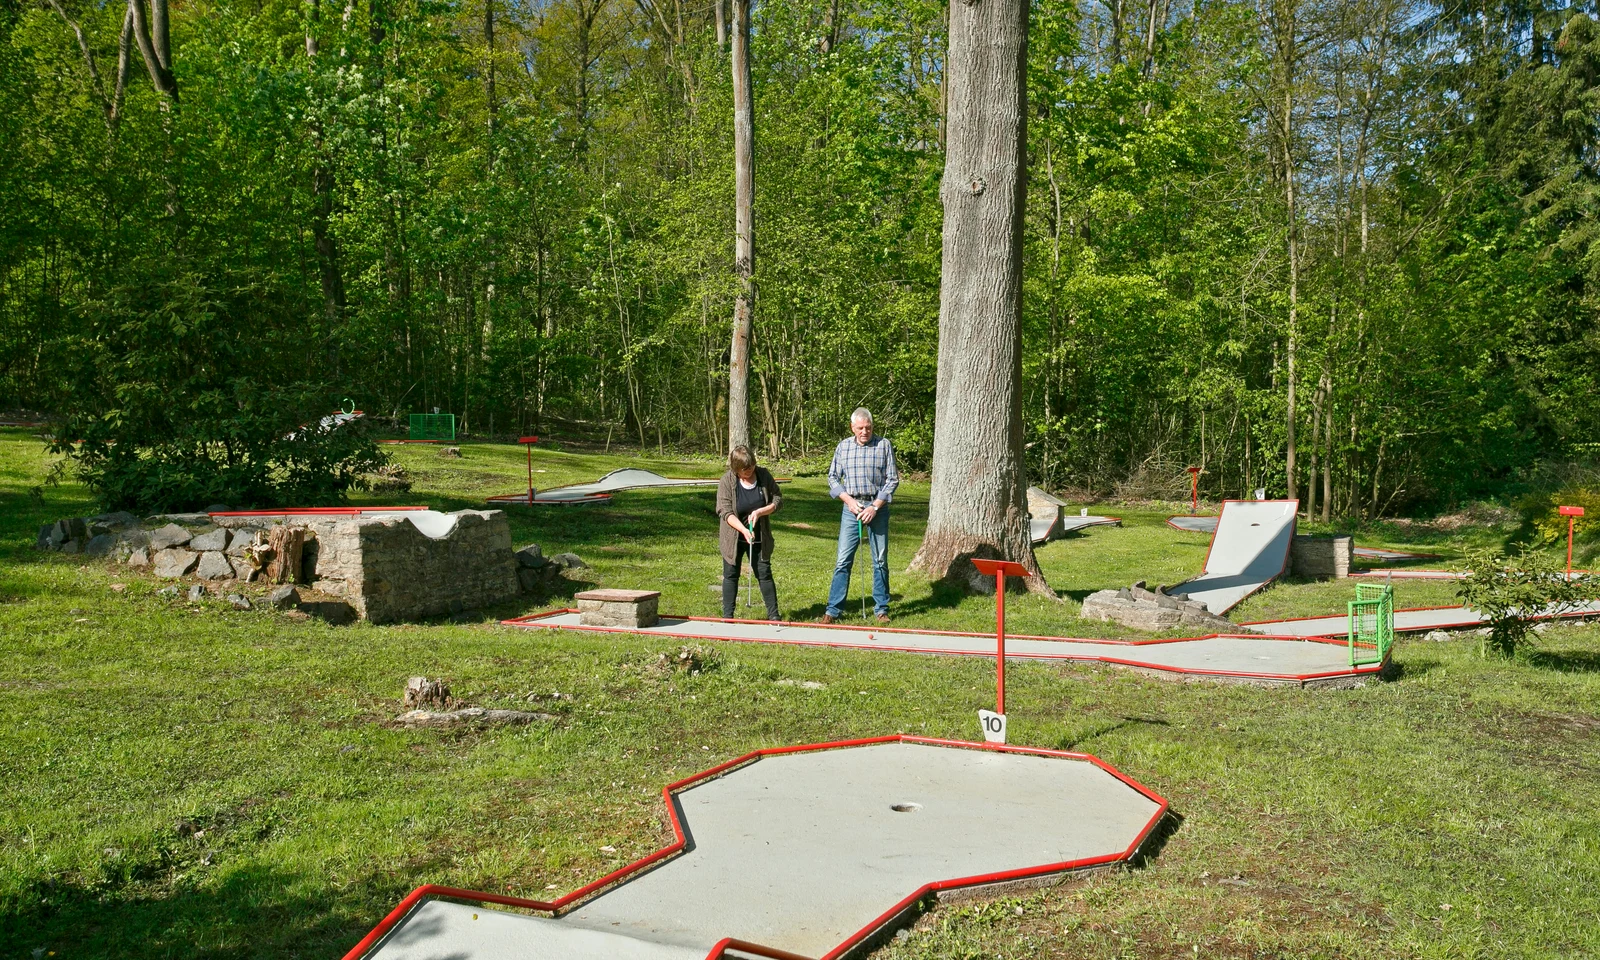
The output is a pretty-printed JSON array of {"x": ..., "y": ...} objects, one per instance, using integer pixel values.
[{"x": 907, "y": 807}]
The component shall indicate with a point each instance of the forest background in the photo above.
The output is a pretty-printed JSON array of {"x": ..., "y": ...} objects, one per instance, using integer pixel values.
[{"x": 1345, "y": 251}]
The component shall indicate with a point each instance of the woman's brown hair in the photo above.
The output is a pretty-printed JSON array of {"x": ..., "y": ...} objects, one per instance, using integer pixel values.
[{"x": 741, "y": 459}]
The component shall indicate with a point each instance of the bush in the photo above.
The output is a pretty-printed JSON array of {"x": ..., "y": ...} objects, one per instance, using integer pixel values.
[
  {"x": 181, "y": 393},
  {"x": 1511, "y": 591}
]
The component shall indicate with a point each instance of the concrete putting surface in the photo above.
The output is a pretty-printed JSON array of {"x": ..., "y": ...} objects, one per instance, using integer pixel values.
[
  {"x": 813, "y": 851},
  {"x": 1304, "y": 659}
]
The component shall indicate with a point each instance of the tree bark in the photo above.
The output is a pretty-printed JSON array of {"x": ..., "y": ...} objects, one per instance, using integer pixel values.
[
  {"x": 978, "y": 506},
  {"x": 286, "y": 546},
  {"x": 744, "y": 242}
]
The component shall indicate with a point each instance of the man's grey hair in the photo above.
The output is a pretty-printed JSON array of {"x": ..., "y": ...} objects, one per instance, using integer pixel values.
[{"x": 862, "y": 413}]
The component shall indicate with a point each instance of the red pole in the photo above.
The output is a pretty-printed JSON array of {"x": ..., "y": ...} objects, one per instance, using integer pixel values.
[
  {"x": 1572, "y": 514},
  {"x": 1000, "y": 638},
  {"x": 1194, "y": 490}
]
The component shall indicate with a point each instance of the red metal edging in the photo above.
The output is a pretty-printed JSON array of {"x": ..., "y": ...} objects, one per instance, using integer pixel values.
[
  {"x": 313, "y": 511},
  {"x": 415, "y": 897}
]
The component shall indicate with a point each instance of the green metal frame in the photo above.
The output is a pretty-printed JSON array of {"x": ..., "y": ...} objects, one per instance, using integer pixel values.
[
  {"x": 1371, "y": 624},
  {"x": 433, "y": 426}
]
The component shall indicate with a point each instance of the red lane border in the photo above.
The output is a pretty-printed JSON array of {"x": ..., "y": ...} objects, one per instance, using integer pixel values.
[
  {"x": 532, "y": 622},
  {"x": 416, "y": 896},
  {"x": 313, "y": 511}
]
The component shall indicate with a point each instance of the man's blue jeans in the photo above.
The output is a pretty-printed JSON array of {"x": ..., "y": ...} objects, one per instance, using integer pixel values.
[{"x": 849, "y": 540}]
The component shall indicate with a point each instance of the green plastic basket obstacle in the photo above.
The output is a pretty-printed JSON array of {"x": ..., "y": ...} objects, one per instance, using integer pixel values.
[
  {"x": 433, "y": 426},
  {"x": 1371, "y": 625}
]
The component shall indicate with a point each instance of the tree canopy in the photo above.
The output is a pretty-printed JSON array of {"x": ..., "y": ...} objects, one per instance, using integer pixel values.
[{"x": 522, "y": 213}]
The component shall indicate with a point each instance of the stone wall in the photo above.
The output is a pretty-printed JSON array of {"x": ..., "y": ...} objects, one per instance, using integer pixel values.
[
  {"x": 1321, "y": 558},
  {"x": 387, "y": 568}
]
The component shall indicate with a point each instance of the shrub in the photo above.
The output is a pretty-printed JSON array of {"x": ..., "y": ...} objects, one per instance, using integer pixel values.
[
  {"x": 181, "y": 392},
  {"x": 1511, "y": 591}
]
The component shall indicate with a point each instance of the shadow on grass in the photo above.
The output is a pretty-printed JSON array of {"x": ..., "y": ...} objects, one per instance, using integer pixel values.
[
  {"x": 1569, "y": 661},
  {"x": 1109, "y": 726},
  {"x": 254, "y": 912},
  {"x": 1408, "y": 669},
  {"x": 1164, "y": 831}
]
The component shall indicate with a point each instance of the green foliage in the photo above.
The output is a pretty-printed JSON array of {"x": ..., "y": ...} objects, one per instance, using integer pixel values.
[
  {"x": 1510, "y": 591},
  {"x": 534, "y": 233},
  {"x": 180, "y": 394}
]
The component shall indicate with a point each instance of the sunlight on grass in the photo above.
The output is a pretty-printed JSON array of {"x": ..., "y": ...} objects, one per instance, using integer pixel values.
[{"x": 199, "y": 781}]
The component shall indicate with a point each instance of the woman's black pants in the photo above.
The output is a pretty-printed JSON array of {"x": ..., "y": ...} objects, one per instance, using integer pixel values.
[{"x": 730, "y": 579}]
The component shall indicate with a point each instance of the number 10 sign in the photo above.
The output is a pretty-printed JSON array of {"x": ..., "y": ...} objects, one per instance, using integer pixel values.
[{"x": 994, "y": 726}]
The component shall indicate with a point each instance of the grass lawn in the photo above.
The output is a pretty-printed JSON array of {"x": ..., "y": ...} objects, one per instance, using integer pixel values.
[{"x": 194, "y": 781}]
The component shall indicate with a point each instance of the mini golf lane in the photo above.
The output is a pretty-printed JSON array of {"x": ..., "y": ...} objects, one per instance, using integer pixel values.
[
  {"x": 1405, "y": 621},
  {"x": 806, "y": 852},
  {"x": 1301, "y": 660}
]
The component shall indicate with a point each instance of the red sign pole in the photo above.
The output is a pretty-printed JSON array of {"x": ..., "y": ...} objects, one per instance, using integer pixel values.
[
  {"x": 1000, "y": 569},
  {"x": 1572, "y": 514},
  {"x": 529, "y": 442},
  {"x": 1194, "y": 490}
]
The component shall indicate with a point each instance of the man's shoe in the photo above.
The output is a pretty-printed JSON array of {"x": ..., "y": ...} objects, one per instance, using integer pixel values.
[
  {"x": 882, "y": 617},
  {"x": 827, "y": 619}
]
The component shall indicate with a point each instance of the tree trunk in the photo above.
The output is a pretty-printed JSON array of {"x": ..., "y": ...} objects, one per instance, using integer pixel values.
[
  {"x": 978, "y": 506},
  {"x": 744, "y": 243}
]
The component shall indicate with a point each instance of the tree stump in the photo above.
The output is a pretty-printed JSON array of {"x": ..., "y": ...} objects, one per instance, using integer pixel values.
[
  {"x": 422, "y": 692},
  {"x": 286, "y": 545}
]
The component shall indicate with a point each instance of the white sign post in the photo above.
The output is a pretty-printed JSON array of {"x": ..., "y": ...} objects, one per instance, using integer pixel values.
[{"x": 994, "y": 726}]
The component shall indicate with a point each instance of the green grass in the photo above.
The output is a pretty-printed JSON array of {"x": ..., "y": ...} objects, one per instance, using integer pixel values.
[{"x": 185, "y": 782}]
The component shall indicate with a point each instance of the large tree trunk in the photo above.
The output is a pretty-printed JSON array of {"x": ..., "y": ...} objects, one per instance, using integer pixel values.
[
  {"x": 978, "y": 506},
  {"x": 744, "y": 256}
]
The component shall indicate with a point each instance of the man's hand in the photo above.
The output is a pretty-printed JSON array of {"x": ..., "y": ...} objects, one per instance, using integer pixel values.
[
  {"x": 867, "y": 513},
  {"x": 851, "y": 502}
]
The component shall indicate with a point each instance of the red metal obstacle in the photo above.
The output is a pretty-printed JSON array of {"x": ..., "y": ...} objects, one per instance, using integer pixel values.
[
  {"x": 1572, "y": 514},
  {"x": 1000, "y": 569},
  {"x": 1194, "y": 490}
]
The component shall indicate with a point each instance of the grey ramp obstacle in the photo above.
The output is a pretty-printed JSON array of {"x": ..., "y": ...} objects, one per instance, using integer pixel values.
[
  {"x": 1249, "y": 549},
  {"x": 627, "y": 478},
  {"x": 1048, "y": 518},
  {"x": 1194, "y": 524},
  {"x": 1258, "y": 659},
  {"x": 802, "y": 852}
]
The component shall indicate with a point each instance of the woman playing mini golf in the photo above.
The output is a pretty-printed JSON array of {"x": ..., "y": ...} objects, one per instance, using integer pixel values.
[{"x": 746, "y": 497}]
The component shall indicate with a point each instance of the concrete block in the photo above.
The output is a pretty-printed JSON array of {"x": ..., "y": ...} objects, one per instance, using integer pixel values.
[
  {"x": 1321, "y": 558},
  {"x": 619, "y": 608}
]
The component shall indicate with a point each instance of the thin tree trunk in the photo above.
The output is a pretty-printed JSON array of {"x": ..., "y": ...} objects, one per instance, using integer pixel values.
[
  {"x": 978, "y": 506},
  {"x": 744, "y": 240}
]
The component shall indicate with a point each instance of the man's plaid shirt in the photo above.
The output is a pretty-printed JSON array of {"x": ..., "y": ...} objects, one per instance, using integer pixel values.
[{"x": 866, "y": 471}]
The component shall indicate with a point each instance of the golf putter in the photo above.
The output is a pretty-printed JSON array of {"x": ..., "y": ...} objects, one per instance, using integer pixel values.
[
  {"x": 861, "y": 537},
  {"x": 754, "y": 543}
]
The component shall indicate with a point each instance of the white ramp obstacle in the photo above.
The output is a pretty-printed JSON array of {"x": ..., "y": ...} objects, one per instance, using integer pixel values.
[{"x": 1249, "y": 549}]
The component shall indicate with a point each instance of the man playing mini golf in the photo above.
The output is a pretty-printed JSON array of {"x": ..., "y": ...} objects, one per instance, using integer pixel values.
[{"x": 863, "y": 476}]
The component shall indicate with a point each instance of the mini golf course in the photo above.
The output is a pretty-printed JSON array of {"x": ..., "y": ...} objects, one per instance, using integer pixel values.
[{"x": 805, "y": 851}]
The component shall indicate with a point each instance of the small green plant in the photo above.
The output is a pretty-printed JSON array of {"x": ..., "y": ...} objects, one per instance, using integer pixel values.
[{"x": 1511, "y": 591}]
